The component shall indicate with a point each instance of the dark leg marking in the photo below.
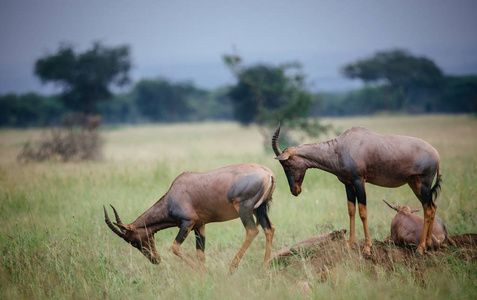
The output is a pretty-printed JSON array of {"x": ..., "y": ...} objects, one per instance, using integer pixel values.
[
  {"x": 199, "y": 240},
  {"x": 183, "y": 231},
  {"x": 350, "y": 193},
  {"x": 360, "y": 191},
  {"x": 246, "y": 215},
  {"x": 262, "y": 215}
]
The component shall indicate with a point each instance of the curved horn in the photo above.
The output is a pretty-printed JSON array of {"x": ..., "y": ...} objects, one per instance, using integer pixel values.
[
  {"x": 391, "y": 205},
  {"x": 275, "y": 146},
  {"x": 118, "y": 220},
  {"x": 111, "y": 226}
]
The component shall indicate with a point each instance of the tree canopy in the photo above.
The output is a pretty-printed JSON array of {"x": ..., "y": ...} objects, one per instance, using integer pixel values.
[
  {"x": 265, "y": 94},
  {"x": 460, "y": 94},
  {"x": 85, "y": 77},
  {"x": 403, "y": 74}
]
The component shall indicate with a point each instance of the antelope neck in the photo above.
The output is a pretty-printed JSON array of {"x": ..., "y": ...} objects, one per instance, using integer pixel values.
[
  {"x": 155, "y": 218},
  {"x": 324, "y": 156}
]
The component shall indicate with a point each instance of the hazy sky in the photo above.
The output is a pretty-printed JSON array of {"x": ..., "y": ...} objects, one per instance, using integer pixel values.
[{"x": 184, "y": 40}]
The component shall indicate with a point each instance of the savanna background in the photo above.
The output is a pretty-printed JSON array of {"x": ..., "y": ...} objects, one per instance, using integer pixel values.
[
  {"x": 55, "y": 243},
  {"x": 102, "y": 113}
]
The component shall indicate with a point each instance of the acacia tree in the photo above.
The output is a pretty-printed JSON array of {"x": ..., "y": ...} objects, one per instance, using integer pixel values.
[
  {"x": 265, "y": 95},
  {"x": 85, "y": 77},
  {"x": 400, "y": 74}
]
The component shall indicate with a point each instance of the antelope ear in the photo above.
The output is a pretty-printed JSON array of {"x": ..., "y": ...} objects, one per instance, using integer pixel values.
[
  {"x": 283, "y": 156},
  {"x": 416, "y": 209},
  {"x": 124, "y": 227}
]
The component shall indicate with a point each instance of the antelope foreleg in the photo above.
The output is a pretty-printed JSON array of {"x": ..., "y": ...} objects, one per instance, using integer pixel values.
[
  {"x": 360, "y": 191},
  {"x": 269, "y": 230},
  {"x": 350, "y": 193},
  {"x": 177, "y": 251},
  {"x": 185, "y": 228},
  {"x": 363, "y": 214}
]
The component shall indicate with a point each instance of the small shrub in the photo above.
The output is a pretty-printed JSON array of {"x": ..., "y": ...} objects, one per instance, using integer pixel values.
[{"x": 74, "y": 141}]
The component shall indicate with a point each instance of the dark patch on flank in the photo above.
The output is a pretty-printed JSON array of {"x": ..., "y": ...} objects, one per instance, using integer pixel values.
[
  {"x": 245, "y": 188},
  {"x": 425, "y": 164},
  {"x": 175, "y": 210},
  {"x": 248, "y": 190},
  {"x": 356, "y": 189},
  {"x": 349, "y": 164}
]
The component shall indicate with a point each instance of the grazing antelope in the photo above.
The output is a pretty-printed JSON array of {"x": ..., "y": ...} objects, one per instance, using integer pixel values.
[
  {"x": 360, "y": 155},
  {"x": 406, "y": 227},
  {"x": 195, "y": 199}
]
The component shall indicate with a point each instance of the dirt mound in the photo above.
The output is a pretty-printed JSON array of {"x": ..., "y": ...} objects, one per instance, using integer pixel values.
[
  {"x": 331, "y": 250},
  {"x": 468, "y": 240}
]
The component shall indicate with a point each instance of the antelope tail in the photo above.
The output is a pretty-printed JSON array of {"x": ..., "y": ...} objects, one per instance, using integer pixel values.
[{"x": 437, "y": 186}]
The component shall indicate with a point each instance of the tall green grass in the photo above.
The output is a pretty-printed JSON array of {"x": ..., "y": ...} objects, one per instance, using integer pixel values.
[{"x": 54, "y": 243}]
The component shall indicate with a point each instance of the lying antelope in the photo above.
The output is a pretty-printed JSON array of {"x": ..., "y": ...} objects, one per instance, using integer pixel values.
[
  {"x": 195, "y": 199},
  {"x": 406, "y": 227},
  {"x": 360, "y": 155}
]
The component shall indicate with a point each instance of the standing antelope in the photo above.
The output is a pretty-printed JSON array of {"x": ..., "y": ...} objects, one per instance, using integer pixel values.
[
  {"x": 358, "y": 156},
  {"x": 195, "y": 199}
]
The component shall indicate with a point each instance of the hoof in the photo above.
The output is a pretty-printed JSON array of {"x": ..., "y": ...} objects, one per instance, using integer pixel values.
[
  {"x": 232, "y": 270},
  {"x": 419, "y": 252},
  {"x": 366, "y": 255}
]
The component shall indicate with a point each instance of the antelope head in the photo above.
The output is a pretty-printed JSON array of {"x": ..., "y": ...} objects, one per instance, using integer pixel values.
[
  {"x": 292, "y": 164},
  {"x": 139, "y": 238},
  {"x": 403, "y": 208}
]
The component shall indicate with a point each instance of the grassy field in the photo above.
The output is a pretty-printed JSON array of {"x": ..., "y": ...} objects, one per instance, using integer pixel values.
[{"x": 54, "y": 242}]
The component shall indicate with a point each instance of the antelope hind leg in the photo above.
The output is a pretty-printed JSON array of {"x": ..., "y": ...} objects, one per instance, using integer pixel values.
[
  {"x": 268, "y": 229},
  {"x": 433, "y": 208},
  {"x": 200, "y": 243},
  {"x": 251, "y": 233},
  {"x": 423, "y": 242}
]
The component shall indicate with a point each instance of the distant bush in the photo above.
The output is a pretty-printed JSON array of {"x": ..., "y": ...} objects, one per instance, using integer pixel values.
[{"x": 78, "y": 139}]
